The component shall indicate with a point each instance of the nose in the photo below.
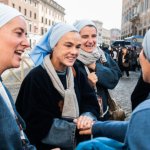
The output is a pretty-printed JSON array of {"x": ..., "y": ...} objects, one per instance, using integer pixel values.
[
  {"x": 25, "y": 42},
  {"x": 90, "y": 40},
  {"x": 75, "y": 50}
]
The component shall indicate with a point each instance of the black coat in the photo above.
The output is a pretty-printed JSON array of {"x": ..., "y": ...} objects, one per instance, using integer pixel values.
[
  {"x": 38, "y": 103},
  {"x": 140, "y": 92}
]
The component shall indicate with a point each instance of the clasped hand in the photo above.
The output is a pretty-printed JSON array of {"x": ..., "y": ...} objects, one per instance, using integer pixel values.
[{"x": 84, "y": 124}]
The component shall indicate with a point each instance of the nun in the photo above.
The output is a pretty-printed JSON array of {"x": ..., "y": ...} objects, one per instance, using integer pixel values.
[
  {"x": 55, "y": 99},
  {"x": 13, "y": 43},
  {"x": 100, "y": 69}
]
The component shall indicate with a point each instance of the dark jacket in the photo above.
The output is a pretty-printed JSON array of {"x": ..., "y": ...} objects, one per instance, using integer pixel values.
[
  {"x": 108, "y": 76},
  {"x": 140, "y": 92},
  {"x": 38, "y": 103}
]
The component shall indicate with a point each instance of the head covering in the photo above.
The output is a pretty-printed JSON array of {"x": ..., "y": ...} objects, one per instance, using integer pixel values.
[
  {"x": 146, "y": 45},
  {"x": 49, "y": 40},
  {"x": 82, "y": 23},
  {"x": 7, "y": 13}
]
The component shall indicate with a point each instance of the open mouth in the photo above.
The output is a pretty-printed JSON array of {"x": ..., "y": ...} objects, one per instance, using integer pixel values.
[{"x": 19, "y": 52}]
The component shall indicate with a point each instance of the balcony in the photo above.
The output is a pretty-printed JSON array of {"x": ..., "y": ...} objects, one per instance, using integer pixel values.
[{"x": 135, "y": 17}]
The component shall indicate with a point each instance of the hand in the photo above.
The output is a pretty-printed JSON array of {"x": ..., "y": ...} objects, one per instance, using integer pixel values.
[
  {"x": 92, "y": 66},
  {"x": 86, "y": 131},
  {"x": 83, "y": 122},
  {"x": 92, "y": 78}
]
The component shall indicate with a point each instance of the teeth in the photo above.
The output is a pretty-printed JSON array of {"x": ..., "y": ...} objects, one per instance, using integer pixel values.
[{"x": 19, "y": 51}]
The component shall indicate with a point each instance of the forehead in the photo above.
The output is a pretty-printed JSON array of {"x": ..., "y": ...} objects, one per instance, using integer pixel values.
[
  {"x": 88, "y": 29},
  {"x": 70, "y": 37}
]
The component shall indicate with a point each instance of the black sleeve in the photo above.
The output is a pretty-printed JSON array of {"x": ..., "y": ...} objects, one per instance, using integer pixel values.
[{"x": 140, "y": 92}]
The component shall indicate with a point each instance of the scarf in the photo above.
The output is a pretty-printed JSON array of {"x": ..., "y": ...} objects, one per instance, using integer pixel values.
[
  {"x": 89, "y": 58},
  {"x": 70, "y": 107}
]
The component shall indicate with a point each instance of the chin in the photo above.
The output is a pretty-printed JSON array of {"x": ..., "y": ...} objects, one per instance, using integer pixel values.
[
  {"x": 70, "y": 64},
  {"x": 146, "y": 78},
  {"x": 89, "y": 50},
  {"x": 17, "y": 65}
]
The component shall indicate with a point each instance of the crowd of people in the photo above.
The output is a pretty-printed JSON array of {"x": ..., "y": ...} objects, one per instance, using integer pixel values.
[
  {"x": 62, "y": 102},
  {"x": 127, "y": 58}
]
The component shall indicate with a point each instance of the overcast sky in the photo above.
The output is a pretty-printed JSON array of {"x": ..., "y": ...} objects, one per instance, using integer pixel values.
[{"x": 107, "y": 11}]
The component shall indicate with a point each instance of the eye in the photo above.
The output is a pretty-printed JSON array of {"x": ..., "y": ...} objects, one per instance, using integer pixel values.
[
  {"x": 84, "y": 36},
  {"x": 78, "y": 46},
  {"x": 19, "y": 33},
  {"x": 94, "y": 36},
  {"x": 68, "y": 45}
]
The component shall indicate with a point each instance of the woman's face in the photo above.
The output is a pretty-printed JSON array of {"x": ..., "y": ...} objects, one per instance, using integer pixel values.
[
  {"x": 145, "y": 65},
  {"x": 66, "y": 51},
  {"x": 124, "y": 50},
  {"x": 88, "y": 38},
  {"x": 13, "y": 42}
]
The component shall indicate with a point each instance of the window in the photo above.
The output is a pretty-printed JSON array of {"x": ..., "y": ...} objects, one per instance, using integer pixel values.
[
  {"x": 42, "y": 20},
  {"x": 30, "y": 14},
  {"x": 13, "y": 5},
  {"x": 19, "y": 8},
  {"x": 34, "y": 15},
  {"x": 25, "y": 12},
  {"x": 42, "y": 31},
  {"x": 30, "y": 27}
]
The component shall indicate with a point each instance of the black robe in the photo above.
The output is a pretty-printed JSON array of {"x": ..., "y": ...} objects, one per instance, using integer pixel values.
[{"x": 38, "y": 102}]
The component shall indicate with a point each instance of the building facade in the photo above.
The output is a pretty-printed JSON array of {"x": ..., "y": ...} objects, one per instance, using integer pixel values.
[
  {"x": 99, "y": 25},
  {"x": 40, "y": 14},
  {"x": 106, "y": 36},
  {"x": 115, "y": 34},
  {"x": 135, "y": 17}
]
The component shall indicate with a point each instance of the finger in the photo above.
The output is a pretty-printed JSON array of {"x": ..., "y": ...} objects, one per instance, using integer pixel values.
[
  {"x": 85, "y": 132},
  {"x": 82, "y": 121}
]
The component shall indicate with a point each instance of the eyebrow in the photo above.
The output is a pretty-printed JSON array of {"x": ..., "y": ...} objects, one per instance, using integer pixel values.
[{"x": 19, "y": 28}]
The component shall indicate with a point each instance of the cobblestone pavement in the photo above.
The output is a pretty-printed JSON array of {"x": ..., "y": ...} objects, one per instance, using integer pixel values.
[{"x": 121, "y": 92}]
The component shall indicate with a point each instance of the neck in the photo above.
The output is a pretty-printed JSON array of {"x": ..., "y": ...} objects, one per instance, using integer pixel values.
[{"x": 58, "y": 66}]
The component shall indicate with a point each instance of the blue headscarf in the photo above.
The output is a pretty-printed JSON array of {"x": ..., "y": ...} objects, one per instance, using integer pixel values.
[
  {"x": 82, "y": 23},
  {"x": 49, "y": 40},
  {"x": 146, "y": 45}
]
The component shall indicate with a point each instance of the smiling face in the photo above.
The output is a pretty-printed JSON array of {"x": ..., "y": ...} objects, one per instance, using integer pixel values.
[
  {"x": 145, "y": 65},
  {"x": 88, "y": 38},
  {"x": 13, "y": 42},
  {"x": 66, "y": 51}
]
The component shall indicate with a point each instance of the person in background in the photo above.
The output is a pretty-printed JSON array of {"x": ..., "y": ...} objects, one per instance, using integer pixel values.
[
  {"x": 13, "y": 42},
  {"x": 101, "y": 70},
  {"x": 123, "y": 61},
  {"x": 133, "y": 134},
  {"x": 55, "y": 98}
]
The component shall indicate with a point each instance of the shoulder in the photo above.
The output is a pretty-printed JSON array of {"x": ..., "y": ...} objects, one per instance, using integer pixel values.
[
  {"x": 37, "y": 76},
  {"x": 36, "y": 72}
]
